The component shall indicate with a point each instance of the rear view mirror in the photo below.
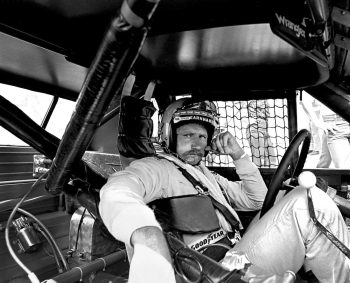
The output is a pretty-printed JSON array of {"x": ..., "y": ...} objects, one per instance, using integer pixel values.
[{"x": 304, "y": 24}]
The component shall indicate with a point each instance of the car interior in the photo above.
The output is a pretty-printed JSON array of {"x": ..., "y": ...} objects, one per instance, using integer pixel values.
[{"x": 91, "y": 54}]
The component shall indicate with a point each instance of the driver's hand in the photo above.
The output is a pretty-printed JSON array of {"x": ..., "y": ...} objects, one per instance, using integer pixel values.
[
  {"x": 148, "y": 266},
  {"x": 225, "y": 143},
  {"x": 151, "y": 261}
]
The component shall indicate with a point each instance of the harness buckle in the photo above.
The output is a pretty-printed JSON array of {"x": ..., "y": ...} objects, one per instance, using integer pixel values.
[
  {"x": 201, "y": 191},
  {"x": 234, "y": 236}
]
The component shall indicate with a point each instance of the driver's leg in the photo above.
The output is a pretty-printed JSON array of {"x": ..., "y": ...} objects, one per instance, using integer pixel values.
[{"x": 286, "y": 238}]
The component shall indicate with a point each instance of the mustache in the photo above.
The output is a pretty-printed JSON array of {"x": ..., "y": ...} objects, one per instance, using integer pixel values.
[{"x": 194, "y": 152}]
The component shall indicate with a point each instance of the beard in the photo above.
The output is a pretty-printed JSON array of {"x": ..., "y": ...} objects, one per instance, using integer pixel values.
[{"x": 193, "y": 156}]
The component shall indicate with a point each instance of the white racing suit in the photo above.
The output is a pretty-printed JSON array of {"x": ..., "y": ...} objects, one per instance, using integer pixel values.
[{"x": 283, "y": 240}]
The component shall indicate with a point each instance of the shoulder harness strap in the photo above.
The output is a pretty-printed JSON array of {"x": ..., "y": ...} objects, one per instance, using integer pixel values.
[{"x": 204, "y": 190}]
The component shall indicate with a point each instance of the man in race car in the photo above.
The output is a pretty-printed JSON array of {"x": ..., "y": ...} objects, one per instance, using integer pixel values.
[{"x": 283, "y": 240}]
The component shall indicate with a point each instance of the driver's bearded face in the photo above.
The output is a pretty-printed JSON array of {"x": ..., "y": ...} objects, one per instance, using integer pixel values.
[{"x": 191, "y": 141}]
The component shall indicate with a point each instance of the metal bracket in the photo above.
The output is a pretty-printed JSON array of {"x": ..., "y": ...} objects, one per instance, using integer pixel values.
[
  {"x": 342, "y": 41},
  {"x": 341, "y": 16}
]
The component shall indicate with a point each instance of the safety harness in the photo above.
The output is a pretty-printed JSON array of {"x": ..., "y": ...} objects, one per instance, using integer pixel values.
[
  {"x": 218, "y": 241},
  {"x": 204, "y": 190}
]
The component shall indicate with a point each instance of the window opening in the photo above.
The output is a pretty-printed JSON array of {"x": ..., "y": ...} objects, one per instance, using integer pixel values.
[
  {"x": 330, "y": 134},
  {"x": 37, "y": 106},
  {"x": 260, "y": 127}
]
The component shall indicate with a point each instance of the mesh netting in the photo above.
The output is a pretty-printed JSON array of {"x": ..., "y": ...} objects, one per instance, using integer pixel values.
[{"x": 260, "y": 127}]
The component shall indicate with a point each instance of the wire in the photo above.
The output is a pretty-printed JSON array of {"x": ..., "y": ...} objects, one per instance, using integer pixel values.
[
  {"x": 79, "y": 226},
  {"x": 31, "y": 275},
  {"x": 59, "y": 268},
  {"x": 47, "y": 232}
]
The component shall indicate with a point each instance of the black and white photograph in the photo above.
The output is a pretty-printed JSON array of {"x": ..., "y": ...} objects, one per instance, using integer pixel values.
[{"x": 174, "y": 141}]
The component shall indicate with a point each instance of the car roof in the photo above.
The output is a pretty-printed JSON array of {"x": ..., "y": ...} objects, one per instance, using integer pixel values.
[{"x": 224, "y": 48}]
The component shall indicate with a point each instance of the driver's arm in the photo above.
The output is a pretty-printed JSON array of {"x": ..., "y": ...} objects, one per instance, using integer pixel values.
[
  {"x": 249, "y": 193},
  {"x": 124, "y": 212},
  {"x": 132, "y": 222}
]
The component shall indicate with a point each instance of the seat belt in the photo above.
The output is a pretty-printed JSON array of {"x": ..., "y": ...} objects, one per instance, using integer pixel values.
[{"x": 344, "y": 249}]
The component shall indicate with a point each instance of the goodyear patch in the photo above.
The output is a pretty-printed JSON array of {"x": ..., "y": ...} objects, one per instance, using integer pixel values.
[{"x": 208, "y": 239}]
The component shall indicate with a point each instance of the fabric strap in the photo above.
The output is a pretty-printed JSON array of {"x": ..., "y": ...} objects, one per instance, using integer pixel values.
[{"x": 323, "y": 229}]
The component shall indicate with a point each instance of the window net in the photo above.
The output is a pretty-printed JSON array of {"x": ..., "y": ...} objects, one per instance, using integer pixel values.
[{"x": 259, "y": 126}]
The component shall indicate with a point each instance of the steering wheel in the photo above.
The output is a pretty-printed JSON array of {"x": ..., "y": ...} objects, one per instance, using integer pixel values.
[{"x": 287, "y": 160}]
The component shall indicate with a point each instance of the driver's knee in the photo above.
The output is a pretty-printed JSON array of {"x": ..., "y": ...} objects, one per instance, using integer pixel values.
[
  {"x": 297, "y": 200},
  {"x": 326, "y": 210},
  {"x": 321, "y": 201}
]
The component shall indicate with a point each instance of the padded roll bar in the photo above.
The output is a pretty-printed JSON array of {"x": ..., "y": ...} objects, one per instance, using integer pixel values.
[
  {"x": 76, "y": 274},
  {"x": 108, "y": 72}
]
